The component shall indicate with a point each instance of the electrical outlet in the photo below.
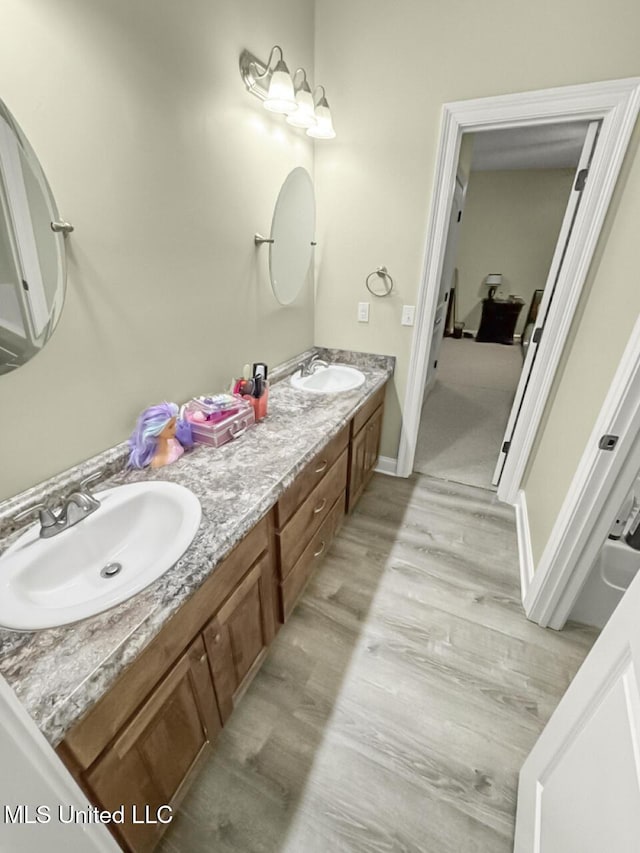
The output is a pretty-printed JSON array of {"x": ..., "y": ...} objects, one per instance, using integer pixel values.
[
  {"x": 408, "y": 315},
  {"x": 363, "y": 312}
]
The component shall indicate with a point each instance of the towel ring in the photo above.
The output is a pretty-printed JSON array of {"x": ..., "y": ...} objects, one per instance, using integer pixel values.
[{"x": 387, "y": 282}]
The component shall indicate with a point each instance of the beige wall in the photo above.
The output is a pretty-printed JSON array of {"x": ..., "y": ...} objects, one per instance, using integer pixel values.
[
  {"x": 390, "y": 68},
  {"x": 167, "y": 168},
  {"x": 510, "y": 225}
]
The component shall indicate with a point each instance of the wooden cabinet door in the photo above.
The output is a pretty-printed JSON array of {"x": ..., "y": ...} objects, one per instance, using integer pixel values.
[
  {"x": 238, "y": 637},
  {"x": 357, "y": 468},
  {"x": 372, "y": 444},
  {"x": 147, "y": 763},
  {"x": 364, "y": 455}
]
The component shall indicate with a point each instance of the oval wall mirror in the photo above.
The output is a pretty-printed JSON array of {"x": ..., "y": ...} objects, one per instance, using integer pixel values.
[
  {"x": 32, "y": 261},
  {"x": 292, "y": 231}
]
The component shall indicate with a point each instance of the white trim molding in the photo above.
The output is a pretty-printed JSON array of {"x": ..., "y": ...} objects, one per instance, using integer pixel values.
[
  {"x": 602, "y": 481},
  {"x": 525, "y": 552},
  {"x": 615, "y": 103},
  {"x": 386, "y": 465}
]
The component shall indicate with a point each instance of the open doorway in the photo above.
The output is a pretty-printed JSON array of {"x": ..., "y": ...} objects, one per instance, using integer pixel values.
[
  {"x": 615, "y": 105},
  {"x": 511, "y": 217}
]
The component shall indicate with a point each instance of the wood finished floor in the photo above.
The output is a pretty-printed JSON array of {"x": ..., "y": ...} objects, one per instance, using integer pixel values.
[{"x": 395, "y": 708}]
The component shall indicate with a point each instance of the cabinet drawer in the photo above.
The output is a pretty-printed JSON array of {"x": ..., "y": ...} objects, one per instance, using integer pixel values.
[
  {"x": 310, "y": 476},
  {"x": 367, "y": 410},
  {"x": 307, "y": 519},
  {"x": 291, "y": 588},
  {"x": 149, "y": 761}
]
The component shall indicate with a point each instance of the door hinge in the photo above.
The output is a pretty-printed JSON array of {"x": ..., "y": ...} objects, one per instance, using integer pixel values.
[
  {"x": 581, "y": 180},
  {"x": 505, "y": 447},
  {"x": 459, "y": 215},
  {"x": 25, "y": 285},
  {"x": 537, "y": 335},
  {"x": 435, "y": 364},
  {"x": 608, "y": 442}
]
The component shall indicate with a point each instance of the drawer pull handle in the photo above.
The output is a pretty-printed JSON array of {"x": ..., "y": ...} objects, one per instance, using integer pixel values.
[
  {"x": 320, "y": 506},
  {"x": 322, "y": 467},
  {"x": 203, "y": 658},
  {"x": 216, "y": 639},
  {"x": 320, "y": 549}
]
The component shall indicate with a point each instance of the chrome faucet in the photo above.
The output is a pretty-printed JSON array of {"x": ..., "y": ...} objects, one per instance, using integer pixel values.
[
  {"x": 311, "y": 364},
  {"x": 76, "y": 507}
]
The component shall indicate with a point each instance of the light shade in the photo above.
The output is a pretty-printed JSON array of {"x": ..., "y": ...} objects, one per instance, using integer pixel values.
[
  {"x": 323, "y": 128},
  {"x": 281, "y": 97},
  {"x": 304, "y": 115},
  {"x": 494, "y": 278}
]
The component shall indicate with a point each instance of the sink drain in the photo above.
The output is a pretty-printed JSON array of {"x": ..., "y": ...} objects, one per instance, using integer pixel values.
[{"x": 111, "y": 570}]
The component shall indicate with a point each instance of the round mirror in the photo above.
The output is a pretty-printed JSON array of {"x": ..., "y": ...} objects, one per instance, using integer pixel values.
[
  {"x": 292, "y": 232},
  {"x": 32, "y": 269}
]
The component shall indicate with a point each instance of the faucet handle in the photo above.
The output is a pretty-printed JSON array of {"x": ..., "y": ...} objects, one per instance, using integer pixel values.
[
  {"x": 91, "y": 479},
  {"x": 95, "y": 503},
  {"x": 46, "y": 515}
]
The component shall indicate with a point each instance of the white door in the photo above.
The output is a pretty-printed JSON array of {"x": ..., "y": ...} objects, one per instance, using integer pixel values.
[
  {"x": 34, "y": 784},
  {"x": 550, "y": 286},
  {"x": 446, "y": 279},
  {"x": 579, "y": 788}
]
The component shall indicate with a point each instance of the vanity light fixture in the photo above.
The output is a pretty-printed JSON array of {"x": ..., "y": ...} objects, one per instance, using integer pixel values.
[{"x": 272, "y": 84}]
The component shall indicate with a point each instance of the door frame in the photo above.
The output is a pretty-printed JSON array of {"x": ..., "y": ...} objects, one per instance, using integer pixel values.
[
  {"x": 601, "y": 482},
  {"x": 615, "y": 103}
]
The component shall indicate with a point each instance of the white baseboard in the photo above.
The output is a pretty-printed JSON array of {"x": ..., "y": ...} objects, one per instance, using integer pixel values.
[
  {"x": 525, "y": 552},
  {"x": 387, "y": 465}
]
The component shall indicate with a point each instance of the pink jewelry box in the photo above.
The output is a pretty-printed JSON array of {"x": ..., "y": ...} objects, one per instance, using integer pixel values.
[{"x": 216, "y": 433}]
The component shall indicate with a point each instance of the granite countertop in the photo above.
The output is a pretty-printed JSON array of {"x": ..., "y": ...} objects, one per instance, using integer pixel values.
[{"x": 59, "y": 673}]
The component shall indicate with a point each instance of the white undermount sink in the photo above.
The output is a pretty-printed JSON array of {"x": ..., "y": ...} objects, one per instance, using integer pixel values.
[
  {"x": 329, "y": 380},
  {"x": 138, "y": 532}
]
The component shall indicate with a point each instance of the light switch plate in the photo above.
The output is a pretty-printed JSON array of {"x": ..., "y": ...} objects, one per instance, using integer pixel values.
[
  {"x": 408, "y": 315},
  {"x": 363, "y": 312}
]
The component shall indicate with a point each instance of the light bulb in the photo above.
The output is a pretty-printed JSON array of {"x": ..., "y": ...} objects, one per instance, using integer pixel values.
[
  {"x": 323, "y": 128},
  {"x": 304, "y": 115},
  {"x": 281, "y": 97}
]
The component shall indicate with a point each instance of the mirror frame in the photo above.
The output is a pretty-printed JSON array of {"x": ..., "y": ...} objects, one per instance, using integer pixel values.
[{"x": 21, "y": 237}]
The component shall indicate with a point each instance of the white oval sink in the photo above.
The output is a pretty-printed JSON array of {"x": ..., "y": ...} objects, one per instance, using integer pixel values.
[
  {"x": 329, "y": 380},
  {"x": 143, "y": 527}
]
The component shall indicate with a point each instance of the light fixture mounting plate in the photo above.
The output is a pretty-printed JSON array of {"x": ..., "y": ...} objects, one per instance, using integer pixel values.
[{"x": 255, "y": 74}]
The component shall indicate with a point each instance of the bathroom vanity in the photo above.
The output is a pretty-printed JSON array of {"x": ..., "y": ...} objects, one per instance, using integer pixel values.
[{"x": 134, "y": 727}]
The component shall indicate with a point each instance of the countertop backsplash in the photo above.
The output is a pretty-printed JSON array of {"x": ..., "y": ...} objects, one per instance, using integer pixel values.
[{"x": 111, "y": 461}]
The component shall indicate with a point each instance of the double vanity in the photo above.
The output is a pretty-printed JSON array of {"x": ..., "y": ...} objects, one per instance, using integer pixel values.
[
  {"x": 139, "y": 609},
  {"x": 134, "y": 697}
]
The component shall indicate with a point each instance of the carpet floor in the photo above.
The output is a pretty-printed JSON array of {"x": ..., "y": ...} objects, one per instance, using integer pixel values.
[{"x": 464, "y": 416}]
